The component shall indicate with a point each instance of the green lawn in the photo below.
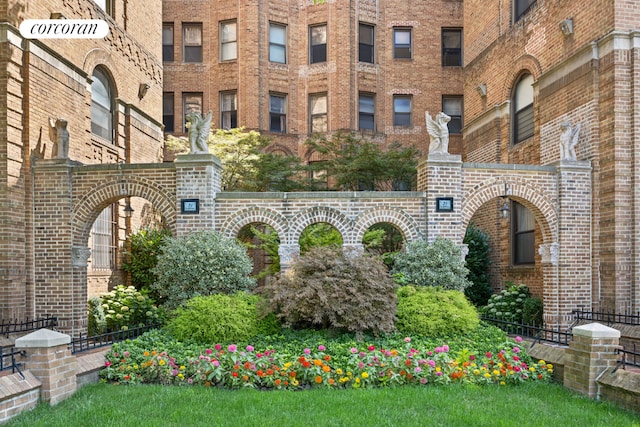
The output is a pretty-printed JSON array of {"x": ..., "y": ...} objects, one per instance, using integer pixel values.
[{"x": 533, "y": 404}]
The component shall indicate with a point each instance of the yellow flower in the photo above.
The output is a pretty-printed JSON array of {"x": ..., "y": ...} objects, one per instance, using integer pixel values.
[
  {"x": 542, "y": 362},
  {"x": 182, "y": 368},
  {"x": 358, "y": 380},
  {"x": 339, "y": 371},
  {"x": 532, "y": 369},
  {"x": 181, "y": 376},
  {"x": 476, "y": 372},
  {"x": 287, "y": 365},
  {"x": 549, "y": 366},
  {"x": 365, "y": 375},
  {"x": 487, "y": 375},
  {"x": 135, "y": 366},
  {"x": 502, "y": 383},
  {"x": 496, "y": 372},
  {"x": 161, "y": 362}
]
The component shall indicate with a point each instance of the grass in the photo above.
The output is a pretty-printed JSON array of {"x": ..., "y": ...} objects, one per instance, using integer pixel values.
[{"x": 532, "y": 404}]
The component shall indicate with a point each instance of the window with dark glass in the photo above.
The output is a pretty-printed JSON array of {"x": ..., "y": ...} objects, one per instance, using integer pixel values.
[
  {"x": 168, "y": 115},
  {"x": 317, "y": 44},
  {"x": 318, "y": 113},
  {"x": 521, "y": 7},
  {"x": 192, "y": 42},
  {"x": 278, "y": 43},
  {"x": 228, "y": 41},
  {"x": 365, "y": 43},
  {"x": 523, "y": 226},
  {"x": 366, "y": 112},
  {"x": 167, "y": 42},
  {"x": 523, "y": 109},
  {"x": 101, "y": 105},
  {"x": 402, "y": 43},
  {"x": 452, "y": 107},
  {"x": 402, "y": 110},
  {"x": 277, "y": 113},
  {"x": 191, "y": 102},
  {"x": 228, "y": 110},
  {"x": 451, "y": 47}
]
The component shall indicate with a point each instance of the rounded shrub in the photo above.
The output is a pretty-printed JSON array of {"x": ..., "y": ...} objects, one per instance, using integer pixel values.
[
  {"x": 141, "y": 256},
  {"x": 437, "y": 264},
  {"x": 514, "y": 304},
  {"x": 434, "y": 312},
  {"x": 125, "y": 307},
  {"x": 199, "y": 264},
  {"x": 220, "y": 318},
  {"x": 326, "y": 288},
  {"x": 477, "y": 262}
]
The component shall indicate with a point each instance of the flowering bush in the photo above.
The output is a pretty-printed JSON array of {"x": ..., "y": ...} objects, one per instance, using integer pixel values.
[
  {"x": 125, "y": 307},
  {"x": 515, "y": 304},
  {"x": 232, "y": 367}
]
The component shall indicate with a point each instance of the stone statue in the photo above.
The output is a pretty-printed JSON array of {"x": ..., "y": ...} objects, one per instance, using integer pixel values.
[
  {"x": 438, "y": 132},
  {"x": 59, "y": 135},
  {"x": 199, "y": 132},
  {"x": 568, "y": 141}
]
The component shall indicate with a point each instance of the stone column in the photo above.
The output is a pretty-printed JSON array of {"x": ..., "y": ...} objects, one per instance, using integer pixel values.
[
  {"x": 353, "y": 250},
  {"x": 198, "y": 178},
  {"x": 287, "y": 252},
  {"x": 443, "y": 180},
  {"x": 50, "y": 361},
  {"x": 592, "y": 350},
  {"x": 549, "y": 253}
]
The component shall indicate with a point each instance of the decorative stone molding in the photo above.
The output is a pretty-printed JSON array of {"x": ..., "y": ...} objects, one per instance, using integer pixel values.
[
  {"x": 80, "y": 256},
  {"x": 550, "y": 253},
  {"x": 464, "y": 251}
]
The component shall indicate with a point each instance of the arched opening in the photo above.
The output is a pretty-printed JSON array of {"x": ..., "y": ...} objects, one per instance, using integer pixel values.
[
  {"x": 262, "y": 243},
  {"x": 383, "y": 239},
  {"x": 319, "y": 234}
]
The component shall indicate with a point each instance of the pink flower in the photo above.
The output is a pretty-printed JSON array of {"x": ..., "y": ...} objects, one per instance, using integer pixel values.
[
  {"x": 439, "y": 350},
  {"x": 354, "y": 350},
  {"x": 488, "y": 355},
  {"x": 518, "y": 339},
  {"x": 208, "y": 351},
  {"x": 218, "y": 347},
  {"x": 249, "y": 348},
  {"x": 232, "y": 348},
  {"x": 407, "y": 339},
  {"x": 259, "y": 355},
  {"x": 418, "y": 369},
  {"x": 371, "y": 348},
  {"x": 516, "y": 350},
  {"x": 107, "y": 363},
  {"x": 439, "y": 374},
  {"x": 445, "y": 348},
  {"x": 215, "y": 363},
  {"x": 431, "y": 363},
  {"x": 321, "y": 348},
  {"x": 423, "y": 380},
  {"x": 307, "y": 351},
  {"x": 472, "y": 357}
]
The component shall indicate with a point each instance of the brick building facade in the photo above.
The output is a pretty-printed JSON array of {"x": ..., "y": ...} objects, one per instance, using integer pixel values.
[{"x": 109, "y": 91}]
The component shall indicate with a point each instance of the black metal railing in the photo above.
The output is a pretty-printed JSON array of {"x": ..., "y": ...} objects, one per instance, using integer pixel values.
[
  {"x": 628, "y": 358},
  {"x": 86, "y": 343},
  {"x": 12, "y": 326},
  {"x": 8, "y": 360},
  {"x": 535, "y": 332},
  {"x": 626, "y": 318}
]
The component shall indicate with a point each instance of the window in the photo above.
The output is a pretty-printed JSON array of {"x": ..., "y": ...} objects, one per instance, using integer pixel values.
[
  {"x": 402, "y": 110},
  {"x": 318, "y": 113},
  {"x": 228, "y": 110},
  {"x": 523, "y": 109},
  {"x": 277, "y": 113},
  {"x": 192, "y": 42},
  {"x": 317, "y": 44},
  {"x": 167, "y": 42},
  {"x": 103, "y": 248},
  {"x": 402, "y": 43},
  {"x": 277, "y": 43},
  {"x": 365, "y": 46},
  {"x": 228, "y": 41},
  {"x": 168, "y": 116},
  {"x": 452, "y": 107},
  {"x": 106, "y": 5},
  {"x": 191, "y": 101},
  {"x": 366, "y": 112},
  {"x": 520, "y": 7},
  {"x": 101, "y": 105},
  {"x": 523, "y": 235},
  {"x": 451, "y": 47}
]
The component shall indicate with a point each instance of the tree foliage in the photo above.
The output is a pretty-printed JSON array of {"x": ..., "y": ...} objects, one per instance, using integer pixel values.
[
  {"x": 478, "y": 262},
  {"x": 141, "y": 256},
  {"x": 327, "y": 289}
]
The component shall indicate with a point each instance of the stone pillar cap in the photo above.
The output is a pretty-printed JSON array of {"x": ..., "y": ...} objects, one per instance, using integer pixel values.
[
  {"x": 596, "y": 330},
  {"x": 43, "y": 338}
]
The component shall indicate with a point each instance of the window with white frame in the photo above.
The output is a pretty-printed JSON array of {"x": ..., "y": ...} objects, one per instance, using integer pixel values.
[
  {"x": 317, "y": 44},
  {"x": 192, "y": 42},
  {"x": 523, "y": 109},
  {"x": 277, "y": 113},
  {"x": 523, "y": 235},
  {"x": 103, "y": 247},
  {"x": 402, "y": 43},
  {"x": 102, "y": 105},
  {"x": 318, "y": 113},
  {"x": 228, "y": 41},
  {"x": 277, "y": 43},
  {"x": 228, "y": 110},
  {"x": 366, "y": 43}
]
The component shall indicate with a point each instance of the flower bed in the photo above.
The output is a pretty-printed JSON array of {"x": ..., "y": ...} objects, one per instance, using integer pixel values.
[{"x": 367, "y": 367}]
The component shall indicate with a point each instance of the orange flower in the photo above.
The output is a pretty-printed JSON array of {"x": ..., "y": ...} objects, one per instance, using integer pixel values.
[
  {"x": 269, "y": 371},
  {"x": 277, "y": 382},
  {"x": 236, "y": 367},
  {"x": 331, "y": 381},
  {"x": 247, "y": 365},
  {"x": 327, "y": 357},
  {"x": 245, "y": 378},
  {"x": 145, "y": 354},
  {"x": 207, "y": 384},
  {"x": 317, "y": 362},
  {"x": 306, "y": 364},
  {"x": 318, "y": 379},
  {"x": 292, "y": 374},
  {"x": 326, "y": 368},
  {"x": 260, "y": 373}
]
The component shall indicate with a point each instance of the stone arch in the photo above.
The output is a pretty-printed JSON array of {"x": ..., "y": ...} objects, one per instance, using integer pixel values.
[
  {"x": 278, "y": 148},
  {"x": 316, "y": 214},
  {"x": 525, "y": 63},
  {"x": 232, "y": 225},
  {"x": 90, "y": 204},
  {"x": 96, "y": 57},
  {"x": 527, "y": 194},
  {"x": 392, "y": 215}
]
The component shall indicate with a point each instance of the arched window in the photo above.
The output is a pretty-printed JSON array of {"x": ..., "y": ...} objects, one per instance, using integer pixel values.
[
  {"x": 101, "y": 105},
  {"x": 523, "y": 109}
]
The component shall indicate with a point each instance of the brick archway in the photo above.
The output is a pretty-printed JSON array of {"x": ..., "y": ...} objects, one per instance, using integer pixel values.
[
  {"x": 392, "y": 215},
  {"x": 254, "y": 214},
  {"x": 317, "y": 214}
]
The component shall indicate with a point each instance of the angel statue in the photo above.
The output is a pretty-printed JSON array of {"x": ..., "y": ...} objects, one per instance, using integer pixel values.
[
  {"x": 439, "y": 133},
  {"x": 199, "y": 132},
  {"x": 568, "y": 141}
]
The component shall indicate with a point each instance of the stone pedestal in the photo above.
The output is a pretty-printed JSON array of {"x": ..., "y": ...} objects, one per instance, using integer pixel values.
[{"x": 49, "y": 359}]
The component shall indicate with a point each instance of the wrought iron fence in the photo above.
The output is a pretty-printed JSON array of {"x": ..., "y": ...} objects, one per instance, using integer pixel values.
[
  {"x": 628, "y": 358},
  {"x": 537, "y": 333},
  {"x": 8, "y": 360},
  {"x": 12, "y": 326},
  {"x": 86, "y": 343},
  {"x": 626, "y": 318}
]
